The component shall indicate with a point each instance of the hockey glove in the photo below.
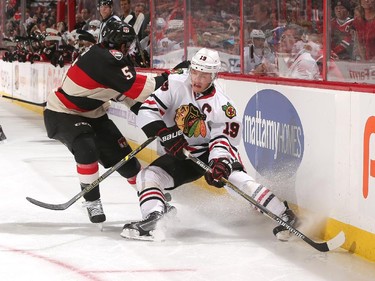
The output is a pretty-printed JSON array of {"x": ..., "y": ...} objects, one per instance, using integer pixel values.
[
  {"x": 173, "y": 141},
  {"x": 164, "y": 76},
  {"x": 183, "y": 64},
  {"x": 221, "y": 168}
]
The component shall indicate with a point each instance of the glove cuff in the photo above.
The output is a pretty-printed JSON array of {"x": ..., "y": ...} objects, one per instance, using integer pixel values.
[
  {"x": 166, "y": 134},
  {"x": 223, "y": 160},
  {"x": 233, "y": 165},
  {"x": 152, "y": 129}
]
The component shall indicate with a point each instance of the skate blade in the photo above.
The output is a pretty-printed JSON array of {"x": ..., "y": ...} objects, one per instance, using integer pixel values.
[
  {"x": 133, "y": 234},
  {"x": 100, "y": 226}
]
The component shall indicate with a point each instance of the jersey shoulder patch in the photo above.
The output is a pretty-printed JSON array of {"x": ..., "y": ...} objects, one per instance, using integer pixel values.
[
  {"x": 229, "y": 110},
  {"x": 117, "y": 54}
]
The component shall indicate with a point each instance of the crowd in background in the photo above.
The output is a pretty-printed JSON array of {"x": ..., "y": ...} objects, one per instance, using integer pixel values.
[
  {"x": 40, "y": 37},
  {"x": 278, "y": 41}
]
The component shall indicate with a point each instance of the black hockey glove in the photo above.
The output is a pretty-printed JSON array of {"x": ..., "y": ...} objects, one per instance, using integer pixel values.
[
  {"x": 221, "y": 168},
  {"x": 164, "y": 76},
  {"x": 173, "y": 141},
  {"x": 183, "y": 64},
  {"x": 160, "y": 79}
]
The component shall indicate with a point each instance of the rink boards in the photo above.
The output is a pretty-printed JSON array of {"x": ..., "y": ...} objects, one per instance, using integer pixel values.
[{"x": 314, "y": 147}]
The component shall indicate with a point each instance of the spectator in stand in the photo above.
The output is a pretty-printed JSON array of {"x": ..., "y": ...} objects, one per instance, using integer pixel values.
[
  {"x": 10, "y": 8},
  {"x": 207, "y": 40},
  {"x": 145, "y": 24},
  {"x": 80, "y": 23},
  {"x": 262, "y": 16},
  {"x": 174, "y": 36},
  {"x": 127, "y": 15},
  {"x": 86, "y": 18},
  {"x": 94, "y": 29},
  {"x": 11, "y": 30},
  {"x": 364, "y": 27},
  {"x": 28, "y": 18},
  {"x": 161, "y": 26},
  {"x": 145, "y": 42},
  {"x": 42, "y": 25},
  {"x": 139, "y": 8},
  {"x": 51, "y": 22},
  {"x": 294, "y": 57},
  {"x": 62, "y": 29},
  {"x": 358, "y": 12},
  {"x": 358, "y": 50},
  {"x": 94, "y": 25},
  {"x": 257, "y": 53},
  {"x": 107, "y": 15},
  {"x": 341, "y": 26},
  {"x": 140, "y": 16}
]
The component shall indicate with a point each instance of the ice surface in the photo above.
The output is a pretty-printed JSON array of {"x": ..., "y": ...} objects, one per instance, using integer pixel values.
[{"x": 216, "y": 237}]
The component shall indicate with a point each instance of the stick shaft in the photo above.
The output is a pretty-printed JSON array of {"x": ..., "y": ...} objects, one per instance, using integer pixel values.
[
  {"x": 94, "y": 184},
  {"x": 322, "y": 247}
]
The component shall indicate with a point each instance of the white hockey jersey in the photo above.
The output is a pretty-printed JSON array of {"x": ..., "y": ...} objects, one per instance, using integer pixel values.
[
  {"x": 255, "y": 56},
  {"x": 209, "y": 122}
]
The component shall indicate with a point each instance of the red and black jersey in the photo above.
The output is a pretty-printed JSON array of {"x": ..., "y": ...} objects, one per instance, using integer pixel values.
[
  {"x": 96, "y": 77},
  {"x": 342, "y": 42}
]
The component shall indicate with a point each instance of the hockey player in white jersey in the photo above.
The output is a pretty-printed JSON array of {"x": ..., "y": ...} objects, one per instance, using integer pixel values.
[{"x": 190, "y": 112}]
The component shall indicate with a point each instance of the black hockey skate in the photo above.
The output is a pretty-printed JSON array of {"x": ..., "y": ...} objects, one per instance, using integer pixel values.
[
  {"x": 280, "y": 231},
  {"x": 152, "y": 228},
  {"x": 95, "y": 211}
]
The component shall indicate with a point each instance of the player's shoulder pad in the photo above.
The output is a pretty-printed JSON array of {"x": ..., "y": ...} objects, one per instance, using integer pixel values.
[{"x": 116, "y": 54}]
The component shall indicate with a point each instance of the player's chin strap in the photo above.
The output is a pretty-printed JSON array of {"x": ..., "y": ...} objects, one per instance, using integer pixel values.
[
  {"x": 332, "y": 244},
  {"x": 91, "y": 186}
]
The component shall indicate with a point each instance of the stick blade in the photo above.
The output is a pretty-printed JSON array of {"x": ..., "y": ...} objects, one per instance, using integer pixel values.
[
  {"x": 337, "y": 241},
  {"x": 331, "y": 244},
  {"x": 57, "y": 207}
]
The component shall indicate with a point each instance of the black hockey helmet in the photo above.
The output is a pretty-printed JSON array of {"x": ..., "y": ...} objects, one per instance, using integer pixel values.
[
  {"x": 117, "y": 33},
  {"x": 105, "y": 2}
]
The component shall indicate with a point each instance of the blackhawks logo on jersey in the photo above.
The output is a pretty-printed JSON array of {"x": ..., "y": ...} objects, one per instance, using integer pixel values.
[
  {"x": 190, "y": 121},
  {"x": 229, "y": 110}
]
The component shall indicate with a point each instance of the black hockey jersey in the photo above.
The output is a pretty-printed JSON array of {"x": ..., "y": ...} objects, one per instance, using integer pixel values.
[{"x": 98, "y": 76}]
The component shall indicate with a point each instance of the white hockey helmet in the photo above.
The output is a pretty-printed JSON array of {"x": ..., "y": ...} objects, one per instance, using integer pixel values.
[
  {"x": 160, "y": 23},
  {"x": 206, "y": 60},
  {"x": 257, "y": 33},
  {"x": 95, "y": 23}
]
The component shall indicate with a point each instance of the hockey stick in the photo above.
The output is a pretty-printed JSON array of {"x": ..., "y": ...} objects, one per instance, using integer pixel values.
[
  {"x": 332, "y": 244},
  {"x": 88, "y": 188}
]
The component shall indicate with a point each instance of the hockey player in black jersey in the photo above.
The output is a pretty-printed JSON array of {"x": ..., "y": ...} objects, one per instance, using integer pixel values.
[
  {"x": 107, "y": 15},
  {"x": 76, "y": 115},
  {"x": 190, "y": 111}
]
